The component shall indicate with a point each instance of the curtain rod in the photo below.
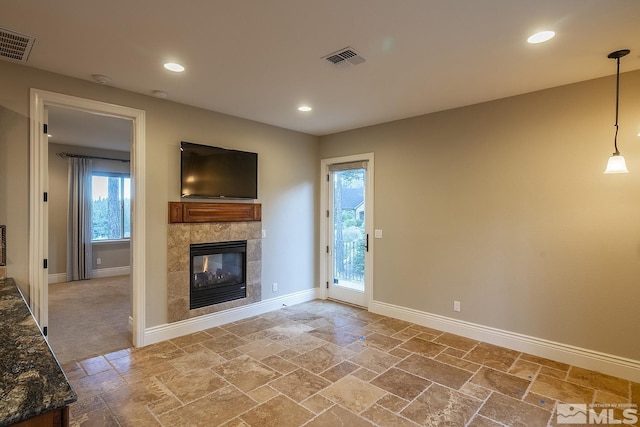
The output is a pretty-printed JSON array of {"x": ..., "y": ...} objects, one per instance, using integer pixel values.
[{"x": 80, "y": 156}]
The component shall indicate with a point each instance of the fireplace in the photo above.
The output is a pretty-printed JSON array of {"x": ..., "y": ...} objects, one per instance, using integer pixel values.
[
  {"x": 200, "y": 224},
  {"x": 218, "y": 273}
]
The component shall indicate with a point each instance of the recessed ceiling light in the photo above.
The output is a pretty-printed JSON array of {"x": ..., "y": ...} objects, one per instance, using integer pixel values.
[
  {"x": 172, "y": 66},
  {"x": 305, "y": 108},
  {"x": 541, "y": 37}
]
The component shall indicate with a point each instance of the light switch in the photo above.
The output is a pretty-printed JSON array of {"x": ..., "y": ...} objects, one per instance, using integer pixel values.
[
  {"x": 377, "y": 234},
  {"x": 264, "y": 234}
]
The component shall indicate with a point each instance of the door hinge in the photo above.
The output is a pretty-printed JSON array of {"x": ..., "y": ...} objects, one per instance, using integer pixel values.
[
  {"x": 45, "y": 197},
  {"x": 327, "y": 177},
  {"x": 45, "y": 331},
  {"x": 327, "y": 285},
  {"x": 327, "y": 213},
  {"x": 45, "y": 128},
  {"x": 44, "y": 263},
  {"x": 327, "y": 249}
]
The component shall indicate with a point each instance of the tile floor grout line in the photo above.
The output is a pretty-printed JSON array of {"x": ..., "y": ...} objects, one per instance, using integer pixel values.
[{"x": 477, "y": 412}]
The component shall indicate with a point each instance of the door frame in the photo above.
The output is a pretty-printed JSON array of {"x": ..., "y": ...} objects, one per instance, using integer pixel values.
[
  {"x": 325, "y": 257},
  {"x": 38, "y": 210}
]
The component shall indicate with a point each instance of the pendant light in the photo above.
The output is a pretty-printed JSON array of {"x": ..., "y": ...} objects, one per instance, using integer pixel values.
[{"x": 616, "y": 162}]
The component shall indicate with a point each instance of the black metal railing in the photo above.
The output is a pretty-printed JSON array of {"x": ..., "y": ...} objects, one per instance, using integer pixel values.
[{"x": 349, "y": 260}]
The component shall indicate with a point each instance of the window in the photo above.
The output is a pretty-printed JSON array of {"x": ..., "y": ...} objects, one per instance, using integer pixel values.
[{"x": 110, "y": 206}]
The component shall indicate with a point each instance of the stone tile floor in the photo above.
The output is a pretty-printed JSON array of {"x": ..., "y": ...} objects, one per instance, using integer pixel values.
[{"x": 325, "y": 364}]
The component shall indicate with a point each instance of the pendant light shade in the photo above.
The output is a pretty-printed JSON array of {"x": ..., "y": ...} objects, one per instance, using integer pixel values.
[{"x": 616, "y": 162}]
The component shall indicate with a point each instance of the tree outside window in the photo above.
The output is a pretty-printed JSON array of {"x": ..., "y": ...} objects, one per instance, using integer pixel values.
[{"x": 110, "y": 207}]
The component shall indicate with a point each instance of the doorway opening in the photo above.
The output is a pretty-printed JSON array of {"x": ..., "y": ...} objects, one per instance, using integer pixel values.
[
  {"x": 41, "y": 103},
  {"x": 89, "y": 251},
  {"x": 347, "y": 208}
]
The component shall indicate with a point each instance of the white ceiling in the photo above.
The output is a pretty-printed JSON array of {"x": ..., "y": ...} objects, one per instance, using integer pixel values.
[
  {"x": 73, "y": 127},
  {"x": 261, "y": 59}
]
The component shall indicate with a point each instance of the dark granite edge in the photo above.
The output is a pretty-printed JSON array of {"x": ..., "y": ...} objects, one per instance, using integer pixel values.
[{"x": 32, "y": 381}]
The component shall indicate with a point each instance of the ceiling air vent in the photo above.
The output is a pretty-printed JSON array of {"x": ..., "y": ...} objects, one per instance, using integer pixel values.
[
  {"x": 15, "y": 46},
  {"x": 344, "y": 58}
]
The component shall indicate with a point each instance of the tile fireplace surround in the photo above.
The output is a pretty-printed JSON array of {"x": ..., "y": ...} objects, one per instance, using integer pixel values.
[{"x": 191, "y": 223}]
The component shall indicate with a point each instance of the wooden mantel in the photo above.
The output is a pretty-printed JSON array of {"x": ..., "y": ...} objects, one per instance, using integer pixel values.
[{"x": 185, "y": 212}]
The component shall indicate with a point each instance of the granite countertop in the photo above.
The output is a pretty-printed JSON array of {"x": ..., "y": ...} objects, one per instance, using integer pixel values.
[{"x": 31, "y": 379}]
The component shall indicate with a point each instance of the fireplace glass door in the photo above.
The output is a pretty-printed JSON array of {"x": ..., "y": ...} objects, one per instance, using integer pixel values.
[
  {"x": 218, "y": 273},
  {"x": 215, "y": 270}
]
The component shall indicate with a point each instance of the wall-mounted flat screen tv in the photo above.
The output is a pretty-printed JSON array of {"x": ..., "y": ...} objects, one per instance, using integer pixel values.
[{"x": 214, "y": 172}]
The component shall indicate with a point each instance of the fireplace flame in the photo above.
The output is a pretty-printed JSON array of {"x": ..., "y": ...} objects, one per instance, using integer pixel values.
[{"x": 205, "y": 264}]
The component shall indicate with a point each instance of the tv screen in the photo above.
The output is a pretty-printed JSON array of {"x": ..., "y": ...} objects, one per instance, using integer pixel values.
[{"x": 213, "y": 172}]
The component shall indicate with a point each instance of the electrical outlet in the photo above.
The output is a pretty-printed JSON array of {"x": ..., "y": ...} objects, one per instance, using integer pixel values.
[
  {"x": 98, "y": 261},
  {"x": 274, "y": 287},
  {"x": 456, "y": 306}
]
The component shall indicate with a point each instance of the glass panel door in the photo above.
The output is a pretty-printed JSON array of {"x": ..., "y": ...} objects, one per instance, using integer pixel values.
[{"x": 348, "y": 236}]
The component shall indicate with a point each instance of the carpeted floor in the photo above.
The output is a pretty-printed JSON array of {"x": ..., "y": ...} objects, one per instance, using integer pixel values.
[{"x": 89, "y": 317}]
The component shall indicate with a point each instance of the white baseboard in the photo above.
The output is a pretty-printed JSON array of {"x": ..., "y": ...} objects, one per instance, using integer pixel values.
[
  {"x": 173, "y": 330},
  {"x": 57, "y": 278},
  {"x": 110, "y": 272},
  {"x": 96, "y": 274},
  {"x": 584, "y": 358}
]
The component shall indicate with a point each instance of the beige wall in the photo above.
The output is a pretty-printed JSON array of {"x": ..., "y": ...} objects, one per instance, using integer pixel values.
[
  {"x": 111, "y": 254},
  {"x": 288, "y": 169},
  {"x": 504, "y": 207},
  {"x": 14, "y": 169}
]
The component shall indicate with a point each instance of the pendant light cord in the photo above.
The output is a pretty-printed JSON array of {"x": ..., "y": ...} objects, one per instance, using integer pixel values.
[{"x": 615, "y": 138}]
